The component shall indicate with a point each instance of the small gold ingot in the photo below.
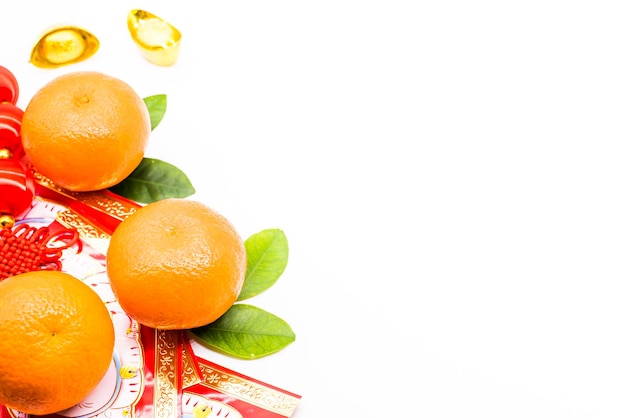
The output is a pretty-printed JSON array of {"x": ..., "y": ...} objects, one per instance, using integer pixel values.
[
  {"x": 62, "y": 46},
  {"x": 158, "y": 40}
]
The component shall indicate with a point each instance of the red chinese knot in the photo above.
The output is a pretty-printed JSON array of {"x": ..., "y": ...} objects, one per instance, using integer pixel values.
[{"x": 26, "y": 248}]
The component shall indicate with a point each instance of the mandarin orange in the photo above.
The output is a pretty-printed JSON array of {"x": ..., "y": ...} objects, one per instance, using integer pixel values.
[
  {"x": 176, "y": 264},
  {"x": 85, "y": 130},
  {"x": 56, "y": 340}
]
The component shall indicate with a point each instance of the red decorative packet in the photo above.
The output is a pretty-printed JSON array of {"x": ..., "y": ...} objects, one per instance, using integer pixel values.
[
  {"x": 230, "y": 394},
  {"x": 154, "y": 373}
]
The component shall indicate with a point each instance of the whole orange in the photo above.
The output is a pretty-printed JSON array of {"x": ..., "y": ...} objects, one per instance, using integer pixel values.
[
  {"x": 56, "y": 340},
  {"x": 176, "y": 264},
  {"x": 85, "y": 130}
]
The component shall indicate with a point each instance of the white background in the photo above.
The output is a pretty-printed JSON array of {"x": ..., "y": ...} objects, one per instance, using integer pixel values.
[{"x": 450, "y": 176}]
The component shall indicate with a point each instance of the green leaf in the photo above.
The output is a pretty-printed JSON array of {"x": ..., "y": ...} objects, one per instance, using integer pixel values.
[
  {"x": 154, "y": 180},
  {"x": 157, "y": 105},
  {"x": 268, "y": 253},
  {"x": 247, "y": 332}
]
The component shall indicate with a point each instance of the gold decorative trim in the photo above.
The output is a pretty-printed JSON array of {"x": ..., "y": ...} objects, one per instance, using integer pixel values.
[
  {"x": 69, "y": 219},
  {"x": 106, "y": 204},
  {"x": 190, "y": 375},
  {"x": 165, "y": 373},
  {"x": 97, "y": 200},
  {"x": 249, "y": 391}
]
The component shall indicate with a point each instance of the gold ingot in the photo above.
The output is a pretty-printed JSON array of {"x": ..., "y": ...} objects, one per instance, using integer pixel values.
[
  {"x": 158, "y": 41},
  {"x": 62, "y": 46}
]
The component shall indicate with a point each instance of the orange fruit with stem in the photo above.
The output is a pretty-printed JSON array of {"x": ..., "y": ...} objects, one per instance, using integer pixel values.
[
  {"x": 176, "y": 264},
  {"x": 85, "y": 130},
  {"x": 56, "y": 340}
]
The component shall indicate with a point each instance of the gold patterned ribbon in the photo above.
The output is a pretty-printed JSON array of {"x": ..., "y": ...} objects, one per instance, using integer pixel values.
[
  {"x": 264, "y": 396},
  {"x": 166, "y": 374}
]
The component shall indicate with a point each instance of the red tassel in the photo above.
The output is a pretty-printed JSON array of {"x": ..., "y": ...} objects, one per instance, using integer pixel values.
[{"x": 25, "y": 248}]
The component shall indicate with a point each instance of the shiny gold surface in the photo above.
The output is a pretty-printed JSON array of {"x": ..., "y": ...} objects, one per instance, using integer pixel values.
[
  {"x": 7, "y": 221},
  {"x": 5, "y": 154},
  {"x": 62, "y": 46},
  {"x": 158, "y": 41}
]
